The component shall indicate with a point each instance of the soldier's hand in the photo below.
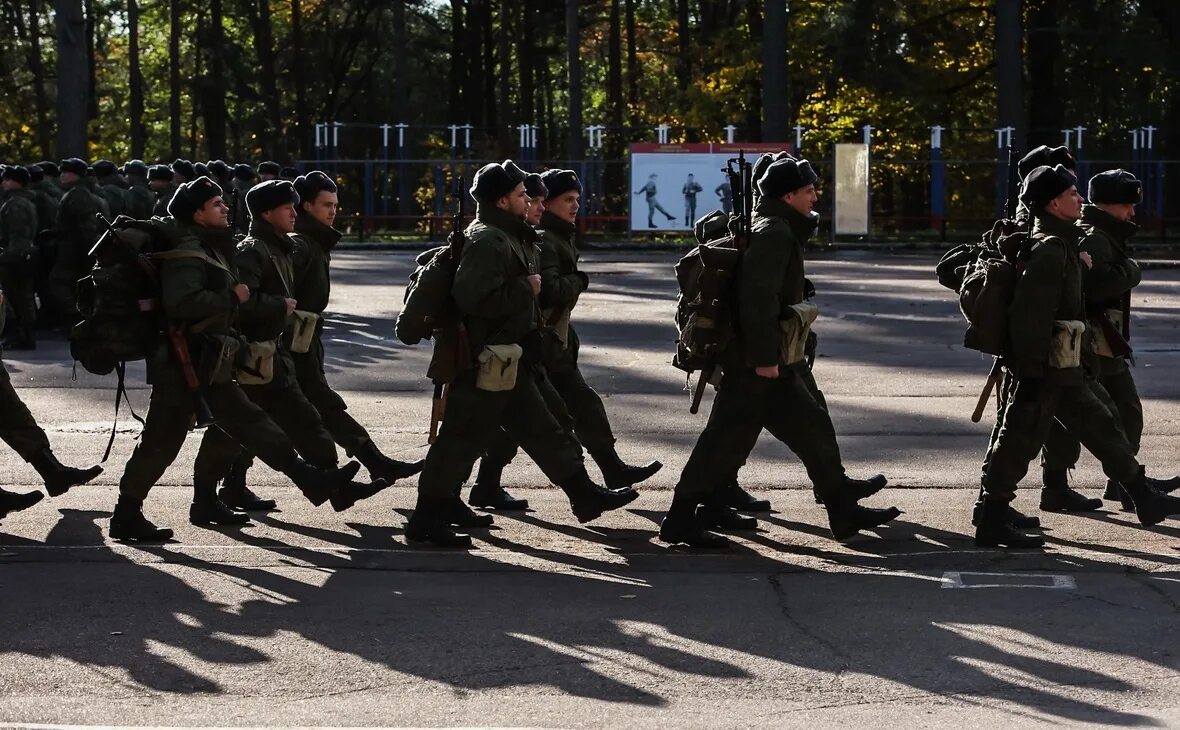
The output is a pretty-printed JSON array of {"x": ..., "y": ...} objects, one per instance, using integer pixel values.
[
  {"x": 1086, "y": 260},
  {"x": 767, "y": 371},
  {"x": 290, "y": 305},
  {"x": 242, "y": 292},
  {"x": 535, "y": 283}
]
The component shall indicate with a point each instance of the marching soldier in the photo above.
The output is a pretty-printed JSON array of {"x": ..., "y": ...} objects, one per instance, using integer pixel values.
[
  {"x": 140, "y": 200},
  {"x": 111, "y": 187},
  {"x": 495, "y": 293},
  {"x": 760, "y": 384},
  {"x": 18, "y": 257},
  {"x": 202, "y": 293},
  {"x": 77, "y": 230},
  {"x": 1047, "y": 361},
  {"x": 162, "y": 187}
]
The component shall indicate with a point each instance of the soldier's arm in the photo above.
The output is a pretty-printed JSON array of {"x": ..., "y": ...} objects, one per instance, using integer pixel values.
[
  {"x": 760, "y": 298},
  {"x": 483, "y": 287},
  {"x": 558, "y": 291},
  {"x": 261, "y": 311},
  {"x": 186, "y": 296},
  {"x": 1108, "y": 278},
  {"x": 1034, "y": 308}
]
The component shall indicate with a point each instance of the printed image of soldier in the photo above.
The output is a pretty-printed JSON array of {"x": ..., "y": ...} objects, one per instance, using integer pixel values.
[
  {"x": 140, "y": 200},
  {"x": 690, "y": 190},
  {"x": 760, "y": 385},
  {"x": 649, "y": 190},
  {"x": 724, "y": 193},
  {"x": 1048, "y": 360},
  {"x": 160, "y": 182},
  {"x": 202, "y": 294},
  {"x": 495, "y": 294},
  {"x": 18, "y": 258},
  {"x": 20, "y": 431}
]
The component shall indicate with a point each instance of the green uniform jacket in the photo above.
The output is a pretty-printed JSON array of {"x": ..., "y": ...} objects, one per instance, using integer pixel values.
[
  {"x": 112, "y": 190},
  {"x": 1113, "y": 274},
  {"x": 139, "y": 198},
  {"x": 163, "y": 198},
  {"x": 491, "y": 288},
  {"x": 770, "y": 280},
  {"x": 47, "y": 201},
  {"x": 77, "y": 228},
  {"x": 18, "y": 227},
  {"x": 312, "y": 260},
  {"x": 561, "y": 285},
  {"x": 1049, "y": 289},
  {"x": 261, "y": 256}
]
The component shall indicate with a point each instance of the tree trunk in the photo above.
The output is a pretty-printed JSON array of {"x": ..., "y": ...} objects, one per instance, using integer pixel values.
[
  {"x": 73, "y": 78},
  {"x": 1010, "y": 69},
  {"x": 212, "y": 84},
  {"x": 174, "y": 78},
  {"x": 1045, "y": 80},
  {"x": 684, "y": 58},
  {"x": 264, "y": 41},
  {"x": 459, "y": 62},
  {"x": 135, "y": 81},
  {"x": 302, "y": 113},
  {"x": 573, "y": 40},
  {"x": 37, "y": 66},
  {"x": 632, "y": 66},
  {"x": 401, "y": 79},
  {"x": 775, "y": 90},
  {"x": 506, "y": 39},
  {"x": 91, "y": 65},
  {"x": 527, "y": 54},
  {"x": 614, "y": 65}
]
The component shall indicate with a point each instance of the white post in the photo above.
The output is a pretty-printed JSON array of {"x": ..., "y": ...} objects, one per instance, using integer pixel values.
[
  {"x": 798, "y": 138},
  {"x": 467, "y": 136},
  {"x": 385, "y": 135},
  {"x": 318, "y": 144},
  {"x": 1135, "y": 138},
  {"x": 729, "y": 130},
  {"x": 662, "y": 133},
  {"x": 401, "y": 134},
  {"x": 336, "y": 135},
  {"x": 868, "y": 132},
  {"x": 1150, "y": 131},
  {"x": 1078, "y": 131},
  {"x": 533, "y": 136},
  {"x": 523, "y": 131},
  {"x": 454, "y": 136},
  {"x": 1068, "y": 136},
  {"x": 936, "y": 138}
]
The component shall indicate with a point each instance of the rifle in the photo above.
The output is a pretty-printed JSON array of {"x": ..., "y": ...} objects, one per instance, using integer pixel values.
[
  {"x": 455, "y": 241},
  {"x": 739, "y": 173},
  {"x": 993, "y": 377},
  {"x": 233, "y": 211}
]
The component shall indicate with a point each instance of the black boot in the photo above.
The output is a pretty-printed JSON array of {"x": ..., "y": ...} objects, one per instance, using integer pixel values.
[
  {"x": 352, "y": 492},
  {"x": 1016, "y": 518},
  {"x": 460, "y": 515},
  {"x": 1166, "y": 486},
  {"x": 318, "y": 485},
  {"x": 17, "y": 501},
  {"x": 740, "y": 499},
  {"x": 848, "y": 518},
  {"x": 381, "y": 466},
  {"x": 589, "y": 500},
  {"x": 428, "y": 525},
  {"x": 721, "y": 517},
  {"x": 128, "y": 523},
  {"x": 862, "y": 488},
  {"x": 1058, "y": 497},
  {"x": 681, "y": 526},
  {"x": 1151, "y": 506},
  {"x": 212, "y": 511},
  {"x": 994, "y": 529},
  {"x": 236, "y": 495},
  {"x": 617, "y": 474},
  {"x": 59, "y": 477},
  {"x": 1114, "y": 491},
  {"x": 487, "y": 493}
]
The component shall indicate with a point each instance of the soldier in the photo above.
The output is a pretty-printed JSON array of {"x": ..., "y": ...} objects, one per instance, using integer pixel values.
[
  {"x": 269, "y": 171},
  {"x": 140, "y": 200},
  {"x": 183, "y": 171},
  {"x": 289, "y": 174},
  {"x": 52, "y": 179},
  {"x": 221, "y": 174},
  {"x": 554, "y": 204},
  {"x": 690, "y": 190},
  {"x": 760, "y": 383},
  {"x": 649, "y": 192},
  {"x": 18, "y": 230},
  {"x": 1047, "y": 362},
  {"x": 264, "y": 264},
  {"x": 77, "y": 230},
  {"x": 44, "y": 197},
  {"x": 495, "y": 293},
  {"x": 20, "y": 431},
  {"x": 201, "y": 292},
  {"x": 243, "y": 181},
  {"x": 111, "y": 187},
  {"x": 160, "y": 182}
]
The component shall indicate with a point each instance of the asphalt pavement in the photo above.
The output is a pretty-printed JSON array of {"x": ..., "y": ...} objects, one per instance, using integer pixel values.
[{"x": 312, "y": 618}]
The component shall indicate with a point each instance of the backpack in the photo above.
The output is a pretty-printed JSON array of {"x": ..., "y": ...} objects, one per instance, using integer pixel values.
[
  {"x": 427, "y": 301},
  {"x": 705, "y": 311},
  {"x": 989, "y": 279}
]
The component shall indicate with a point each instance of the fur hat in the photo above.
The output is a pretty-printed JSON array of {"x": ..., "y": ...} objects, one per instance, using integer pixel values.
[
  {"x": 312, "y": 184},
  {"x": 495, "y": 180},
  {"x": 49, "y": 168},
  {"x": 270, "y": 195},
  {"x": 16, "y": 172},
  {"x": 191, "y": 197},
  {"x": 535, "y": 186},
  {"x": 75, "y": 165},
  {"x": 269, "y": 168},
  {"x": 785, "y": 175},
  {"x": 160, "y": 172},
  {"x": 1045, "y": 183},
  {"x": 560, "y": 182},
  {"x": 1115, "y": 187},
  {"x": 135, "y": 167},
  {"x": 185, "y": 169}
]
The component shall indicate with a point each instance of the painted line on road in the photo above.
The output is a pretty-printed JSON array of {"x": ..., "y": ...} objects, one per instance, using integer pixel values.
[{"x": 954, "y": 579}]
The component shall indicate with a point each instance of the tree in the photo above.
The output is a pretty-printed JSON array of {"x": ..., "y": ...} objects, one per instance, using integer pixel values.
[
  {"x": 1010, "y": 69},
  {"x": 73, "y": 76},
  {"x": 135, "y": 81},
  {"x": 775, "y": 92},
  {"x": 573, "y": 40}
]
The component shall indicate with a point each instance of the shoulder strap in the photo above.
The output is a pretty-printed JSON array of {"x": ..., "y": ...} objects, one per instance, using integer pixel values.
[{"x": 184, "y": 254}]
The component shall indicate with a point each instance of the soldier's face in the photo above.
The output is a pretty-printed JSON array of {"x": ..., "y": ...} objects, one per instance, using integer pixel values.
[
  {"x": 266, "y": 176},
  {"x": 10, "y": 185},
  {"x": 516, "y": 202},
  {"x": 803, "y": 200},
  {"x": 1121, "y": 211},
  {"x": 536, "y": 207},
  {"x": 213, "y": 214},
  {"x": 566, "y": 206},
  {"x": 69, "y": 178},
  {"x": 323, "y": 208},
  {"x": 1068, "y": 205},
  {"x": 282, "y": 218},
  {"x": 157, "y": 185}
]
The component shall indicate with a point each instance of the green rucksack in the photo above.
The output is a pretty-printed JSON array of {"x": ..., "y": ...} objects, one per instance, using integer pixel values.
[
  {"x": 427, "y": 302},
  {"x": 988, "y": 284},
  {"x": 705, "y": 313}
]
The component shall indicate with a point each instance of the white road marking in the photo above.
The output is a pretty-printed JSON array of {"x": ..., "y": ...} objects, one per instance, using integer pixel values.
[{"x": 953, "y": 579}]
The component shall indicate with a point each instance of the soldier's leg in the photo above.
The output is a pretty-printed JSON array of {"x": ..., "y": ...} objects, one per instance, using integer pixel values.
[
  {"x": 1016, "y": 518},
  {"x": 294, "y": 414},
  {"x": 1098, "y": 426},
  {"x": 62, "y": 281},
  {"x": 797, "y": 419},
  {"x": 1125, "y": 396},
  {"x": 18, "y": 428},
  {"x": 344, "y": 429}
]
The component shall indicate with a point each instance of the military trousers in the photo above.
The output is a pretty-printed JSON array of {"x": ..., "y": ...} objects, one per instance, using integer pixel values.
[
  {"x": 1030, "y": 408},
  {"x": 167, "y": 423},
  {"x": 1062, "y": 449},
  {"x": 745, "y": 404},
  {"x": 20, "y": 296},
  {"x": 343, "y": 428},
  {"x": 474, "y": 417},
  {"x": 69, "y": 266},
  {"x": 18, "y": 428}
]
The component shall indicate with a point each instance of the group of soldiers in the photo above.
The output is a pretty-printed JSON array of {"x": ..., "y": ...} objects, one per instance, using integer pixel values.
[
  {"x": 252, "y": 310},
  {"x": 48, "y": 224}
]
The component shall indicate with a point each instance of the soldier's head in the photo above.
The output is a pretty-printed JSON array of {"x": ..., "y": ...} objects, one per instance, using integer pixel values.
[
  {"x": 243, "y": 175},
  {"x": 537, "y": 193},
  {"x": 105, "y": 169},
  {"x": 51, "y": 170},
  {"x": 318, "y": 197},
  {"x": 159, "y": 177},
  {"x": 199, "y": 202},
  {"x": 269, "y": 170},
  {"x": 1045, "y": 156},
  {"x": 36, "y": 174},
  {"x": 1117, "y": 192},
  {"x": 501, "y": 185},
  {"x": 274, "y": 202},
  {"x": 565, "y": 194},
  {"x": 183, "y": 171},
  {"x": 14, "y": 177},
  {"x": 792, "y": 181},
  {"x": 73, "y": 170},
  {"x": 135, "y": 168},
  {"x": 1052, "y": 191}
]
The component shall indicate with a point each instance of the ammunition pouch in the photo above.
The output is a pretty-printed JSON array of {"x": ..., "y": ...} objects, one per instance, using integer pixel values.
[
  {"x": 301, "y": 331},
  {"x": 498, "y": 367},
  {"x": 559, "y": 323},
  {"x": 222, "y": 357},
  {"x": 1065, "y": 348},
  {"x": 1101, "y": 341},
  {"x": 796, "y": 331},
  {"x": 256, "y": 363}
]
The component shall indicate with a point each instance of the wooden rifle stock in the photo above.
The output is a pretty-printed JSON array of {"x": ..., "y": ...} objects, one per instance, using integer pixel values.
[
  {"x": 203, "y": 416},
  {"x": 993, "y": 378},
  {"x": 438, "y": 407}
]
